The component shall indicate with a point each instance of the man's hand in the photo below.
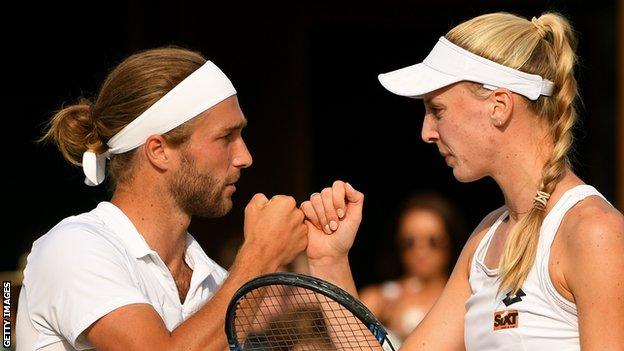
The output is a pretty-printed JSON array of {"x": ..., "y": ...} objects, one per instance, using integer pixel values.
[{"x": 275, "y": 229}]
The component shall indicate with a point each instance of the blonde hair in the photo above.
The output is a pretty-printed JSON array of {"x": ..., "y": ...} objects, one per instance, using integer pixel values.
[
  {"x": 544, "y": 46},
  {"x": 128, "y": 90}
]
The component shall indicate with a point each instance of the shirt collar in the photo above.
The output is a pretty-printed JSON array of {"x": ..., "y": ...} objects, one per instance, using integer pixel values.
[
  {"x": 197, "y": 259},
  {"x": 122, "y": 227}
]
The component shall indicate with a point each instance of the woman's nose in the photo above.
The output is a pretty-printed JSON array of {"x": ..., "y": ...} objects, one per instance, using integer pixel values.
[{"x": 429, "y": 133}]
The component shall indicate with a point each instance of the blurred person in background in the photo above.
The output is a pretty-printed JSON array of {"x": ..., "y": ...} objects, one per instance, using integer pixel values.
[{"x": 429, "y": 235}]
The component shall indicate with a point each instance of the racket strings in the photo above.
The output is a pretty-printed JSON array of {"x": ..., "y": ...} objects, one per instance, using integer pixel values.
[{"x": 289, "y": 318}]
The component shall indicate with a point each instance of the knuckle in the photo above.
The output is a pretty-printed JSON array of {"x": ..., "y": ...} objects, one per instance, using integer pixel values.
[
  {"x": 300, "y": 215},
  {"x": 315, "y": 199},
  {"x": 339, "y": 202},
  {"x": 249, "y": 207},
  {"x": 326, "y": 192},
  {"x": 290, "y": 200},
  {"x": 338, "y": 183}
]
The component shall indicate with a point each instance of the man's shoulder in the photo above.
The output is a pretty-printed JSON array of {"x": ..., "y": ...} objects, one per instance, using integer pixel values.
[
  {"x": 86, "y": 226},
  {"x": 75, "y": 235}
]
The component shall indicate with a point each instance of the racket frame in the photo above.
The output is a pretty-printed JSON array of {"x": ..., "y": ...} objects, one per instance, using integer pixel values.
[{"x": 317, "y": 285}]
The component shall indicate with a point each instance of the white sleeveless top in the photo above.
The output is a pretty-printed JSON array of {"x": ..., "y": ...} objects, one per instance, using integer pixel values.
[{"x": 539, "y": 318}]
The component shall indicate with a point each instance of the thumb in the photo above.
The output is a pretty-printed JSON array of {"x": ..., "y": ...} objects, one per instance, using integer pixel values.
[
  {"x": 353, "y": 196},
  {"x": 258, "y": 200},
  {"x": 355, "y": 201}
]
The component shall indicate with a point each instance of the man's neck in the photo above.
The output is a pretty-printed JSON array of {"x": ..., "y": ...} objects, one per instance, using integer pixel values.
[{"x": 158, "y": 219}]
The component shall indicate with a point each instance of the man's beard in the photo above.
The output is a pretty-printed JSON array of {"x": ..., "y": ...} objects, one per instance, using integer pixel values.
[{"x": 198, "y": 194}]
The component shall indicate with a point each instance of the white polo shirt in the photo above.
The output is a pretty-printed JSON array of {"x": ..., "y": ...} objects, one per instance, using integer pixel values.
[{"x": 91, "y": 264}]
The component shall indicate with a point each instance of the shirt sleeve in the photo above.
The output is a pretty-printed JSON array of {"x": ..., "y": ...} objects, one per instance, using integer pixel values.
[{"x": 75, "y": 277}]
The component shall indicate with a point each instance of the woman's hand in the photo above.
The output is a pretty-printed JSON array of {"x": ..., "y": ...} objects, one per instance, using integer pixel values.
[{"x": 333, "y": 217}]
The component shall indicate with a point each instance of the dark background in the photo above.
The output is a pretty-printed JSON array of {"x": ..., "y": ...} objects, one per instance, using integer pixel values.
[{"x": 306, "y": 77}]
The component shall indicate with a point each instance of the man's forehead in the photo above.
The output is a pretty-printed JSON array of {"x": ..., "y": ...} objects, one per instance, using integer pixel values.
[
  {"x": 229, "y": 119},
  {"x": 225, "y": 115}
]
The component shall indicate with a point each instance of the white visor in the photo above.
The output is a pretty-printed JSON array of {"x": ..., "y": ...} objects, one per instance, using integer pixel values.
[
  {"x": 448, "y": 63},
  {"x": 201, "y": 90}
]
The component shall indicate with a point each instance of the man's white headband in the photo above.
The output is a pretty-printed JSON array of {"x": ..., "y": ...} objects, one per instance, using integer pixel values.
[
  {"x": 201, "y": 90},
  {"x": 448, "y": 63}
]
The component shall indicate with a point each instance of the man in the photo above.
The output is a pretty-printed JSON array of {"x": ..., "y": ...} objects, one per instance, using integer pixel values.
[{"x": 127, "y": 275}]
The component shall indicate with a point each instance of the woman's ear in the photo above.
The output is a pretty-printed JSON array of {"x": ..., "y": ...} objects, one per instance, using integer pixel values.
[{"x": 501, "y": 107}]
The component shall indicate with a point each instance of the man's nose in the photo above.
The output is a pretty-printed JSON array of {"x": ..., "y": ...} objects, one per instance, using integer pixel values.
[{"x": 242, "y": 158}]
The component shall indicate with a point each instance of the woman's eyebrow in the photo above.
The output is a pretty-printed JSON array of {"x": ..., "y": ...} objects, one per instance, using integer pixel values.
[{"x": 430, "y": 102}]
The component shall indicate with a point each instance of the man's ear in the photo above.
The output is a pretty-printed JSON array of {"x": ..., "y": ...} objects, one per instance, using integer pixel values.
[
  {"x": 502, "y": 104},
  {"x": 158, "y": 152}
]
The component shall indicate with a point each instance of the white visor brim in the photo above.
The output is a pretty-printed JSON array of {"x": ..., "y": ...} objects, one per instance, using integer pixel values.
[
  {"x": 448, "y": 63},
  {"x": 415, "y": 81}
]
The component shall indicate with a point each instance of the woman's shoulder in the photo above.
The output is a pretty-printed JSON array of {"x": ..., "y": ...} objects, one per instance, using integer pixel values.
[
  {"x": 484, "y": 226},
  {"x": 487, "y": 222},
  {"x": 475, "y": 238},
  {"x": 592, "y": 221},
  {"x": 592, "y": 256},
  {"x": 377, "y": 297},
  {"x": 387, "y": 290}
]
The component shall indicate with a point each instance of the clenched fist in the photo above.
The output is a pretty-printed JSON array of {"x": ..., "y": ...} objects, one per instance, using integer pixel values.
[
  {"x": 333, "y": 217},
  {"x": 276, "y": 228}
]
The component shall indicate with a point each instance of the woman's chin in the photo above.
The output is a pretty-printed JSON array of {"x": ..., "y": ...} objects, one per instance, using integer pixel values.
[{"x": 463, "y": 176}]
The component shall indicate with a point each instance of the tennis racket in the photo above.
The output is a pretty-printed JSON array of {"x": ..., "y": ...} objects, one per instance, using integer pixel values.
[{"x": 295, "y": 312}]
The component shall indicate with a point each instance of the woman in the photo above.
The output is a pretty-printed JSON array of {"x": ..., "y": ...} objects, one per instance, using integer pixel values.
[
  {"x": 428, "y": 237},
  {"x": 546, "y": 270}
]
